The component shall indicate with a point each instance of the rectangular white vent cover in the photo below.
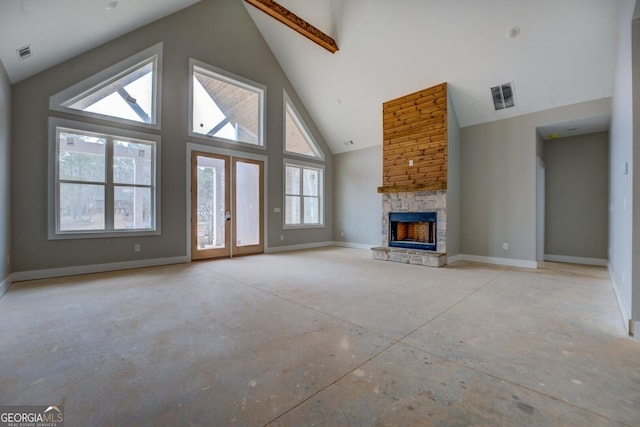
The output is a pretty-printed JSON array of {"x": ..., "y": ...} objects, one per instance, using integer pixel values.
[{"x": 503, "y": 96}]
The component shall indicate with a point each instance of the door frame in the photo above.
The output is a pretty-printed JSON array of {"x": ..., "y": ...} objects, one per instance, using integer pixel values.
[{"x": 191, "y": 147}]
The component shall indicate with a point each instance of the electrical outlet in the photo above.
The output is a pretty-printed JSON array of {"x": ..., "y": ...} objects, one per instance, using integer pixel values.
[
  {"x": 137, "y": 247},
  {"x": 342, "y": 234},
  {"x": 282, "y": 237},
  {"x": 505, "y": 246},
  {"x": 410, "y": 162},
  {"x": 276, "y": 210}
]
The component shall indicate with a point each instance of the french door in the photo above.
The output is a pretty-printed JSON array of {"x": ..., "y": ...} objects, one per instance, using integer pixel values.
[{"x": 226, "y": 206}]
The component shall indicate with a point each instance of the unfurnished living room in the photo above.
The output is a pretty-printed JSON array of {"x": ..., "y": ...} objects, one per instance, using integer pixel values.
[{"x": 329, "y": 212}]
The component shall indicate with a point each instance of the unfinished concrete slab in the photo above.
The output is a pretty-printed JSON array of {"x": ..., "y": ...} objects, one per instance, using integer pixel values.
[{"x": 324, "y": 337}]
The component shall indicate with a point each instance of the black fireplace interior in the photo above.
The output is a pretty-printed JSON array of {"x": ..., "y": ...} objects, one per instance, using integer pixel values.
[{"x": 413, "y": 230}]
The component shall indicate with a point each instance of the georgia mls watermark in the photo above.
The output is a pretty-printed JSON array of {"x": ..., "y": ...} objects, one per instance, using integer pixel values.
[{"x": 31, "y": 416}]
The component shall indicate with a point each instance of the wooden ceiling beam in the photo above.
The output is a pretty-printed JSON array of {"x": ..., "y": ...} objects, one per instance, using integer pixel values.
[{"x": 296, "y": 23}]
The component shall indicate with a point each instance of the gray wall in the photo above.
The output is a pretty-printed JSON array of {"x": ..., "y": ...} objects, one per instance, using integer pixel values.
[
  {"x": 218, "y": 32},
  {"x": 453, "y": 181},
  {"x": 498, "y": 164},
  {"x": 358, "y": 206},
  {"x": 577, "y": 196},
  {"x": 5, "y": 156}
]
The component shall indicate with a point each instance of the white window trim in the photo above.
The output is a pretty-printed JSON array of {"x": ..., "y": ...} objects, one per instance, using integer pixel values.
[
  {"x": 53, "y": 210},
  {"x": 321, "y": 192},
  {"x": 233, "y": 79},
  {"x": 288, "y": 104},
  {"x": 57, "y": 102}
]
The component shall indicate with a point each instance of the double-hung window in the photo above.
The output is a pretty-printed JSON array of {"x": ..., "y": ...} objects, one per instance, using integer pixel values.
[
  {"x": 303, "y": 195},
  {"x": 304, "y": 181},
  {"x": 104, "y": 180}
]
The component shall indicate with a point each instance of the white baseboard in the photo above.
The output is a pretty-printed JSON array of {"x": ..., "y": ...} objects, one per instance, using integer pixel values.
[
  {"x": 20, "y": 276},
  {"x": 288, "y": 248},
  {"x": 354, "y": 245},
  {"x": 576, "y": 260},
  {"x": 626, "y": 317},
  {"x": 509, "y": 262}
]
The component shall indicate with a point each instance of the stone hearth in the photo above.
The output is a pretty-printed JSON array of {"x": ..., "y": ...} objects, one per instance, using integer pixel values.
[{"x": 414, "y": 201}]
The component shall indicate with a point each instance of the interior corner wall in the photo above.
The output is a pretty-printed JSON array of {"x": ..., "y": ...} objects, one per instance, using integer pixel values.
[
  {"x": 217, "y": 32},
  {"x": 358, "y": 205},
  {"x": 577, "y": 196},
  {"x": 635, "y": 180},
  {"x": 5, "y": 187},
  {"x": 453, "y": 181},
  {"x": 498, "y": 180},
  {"x": 621, "y": 136}
]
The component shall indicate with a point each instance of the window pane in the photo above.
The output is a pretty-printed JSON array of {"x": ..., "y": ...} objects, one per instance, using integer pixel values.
[
  {"x": 81, "y": 207},
  {"x": 128, "y": 97},
  {"x": 211, "y": 203},
  {"x": 247, "y": 204},
  {"x": 310, "y": 182},
  {"x": 295, "y": 140},
  {"x": 224, "y": 109},
  {"x": 81, "y": 157},
  {"x": 132, "y": 163},
  {"x": 293, "y": 180},
  {"x": 292, "y": 210},
  {"x": 311, "y": 210},
  {"x": 132, "y": 208}
]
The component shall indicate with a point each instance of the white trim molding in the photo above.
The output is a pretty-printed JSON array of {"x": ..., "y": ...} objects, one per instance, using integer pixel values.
[
  {"x": 20, "y": 276},
  {"x": 576, "y": 260},
  {"x": 624, "y": 313},
  {"x": 274, "y": 249},
  {"x": 353, "y": 245},
  {"x": 509, "y": 262}
]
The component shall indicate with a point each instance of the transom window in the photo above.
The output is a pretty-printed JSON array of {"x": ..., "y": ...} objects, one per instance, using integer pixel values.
[
  {"x": 104, "y": 179},
  {"x": 297, "y": 139},
  {"x": 303, "y": 195},
  {"x": 225, "y": 107},
  {"x": 125, "y": 92}
]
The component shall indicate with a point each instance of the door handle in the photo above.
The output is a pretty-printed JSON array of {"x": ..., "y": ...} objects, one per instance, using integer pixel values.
[{"x": 227, "y": 215}]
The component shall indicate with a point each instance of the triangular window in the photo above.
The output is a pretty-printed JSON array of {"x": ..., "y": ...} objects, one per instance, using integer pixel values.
[
  {"x": 125, "y": 92},
  {"x": 225, "y": 106},
  {"x": 297, "y": 140}
]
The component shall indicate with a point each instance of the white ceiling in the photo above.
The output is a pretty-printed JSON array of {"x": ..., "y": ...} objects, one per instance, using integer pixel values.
[
  {"x": 563, "y": 55},
  {"x": 61, "y": 29}
]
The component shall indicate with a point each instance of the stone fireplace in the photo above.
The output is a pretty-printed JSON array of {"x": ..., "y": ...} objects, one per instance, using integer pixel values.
[
  {"x": 414, "y": 203},
  {"x": 414, "y": 178}
]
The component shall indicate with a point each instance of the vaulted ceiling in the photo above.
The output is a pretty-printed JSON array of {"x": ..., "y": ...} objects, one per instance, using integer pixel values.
[{"x": 564, "y": 52}]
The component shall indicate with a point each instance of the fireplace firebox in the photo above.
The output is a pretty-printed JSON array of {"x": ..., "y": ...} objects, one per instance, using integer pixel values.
[{"x": 413, "y": 230}]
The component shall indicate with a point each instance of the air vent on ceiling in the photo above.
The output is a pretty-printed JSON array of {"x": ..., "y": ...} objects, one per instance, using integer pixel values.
[
  {"x": 503, "y": 96},
  {"x": 24, "y": 52}
]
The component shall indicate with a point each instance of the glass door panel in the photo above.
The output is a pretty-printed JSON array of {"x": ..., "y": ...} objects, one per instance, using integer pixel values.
[
  {"x": 248, "y": 206},
  {"x": 209, "y": 205}
]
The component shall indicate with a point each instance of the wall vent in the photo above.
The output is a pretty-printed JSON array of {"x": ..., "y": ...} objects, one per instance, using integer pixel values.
[
  {"x": 503, "y": 96},
  {"x": 24, "y": 52}
]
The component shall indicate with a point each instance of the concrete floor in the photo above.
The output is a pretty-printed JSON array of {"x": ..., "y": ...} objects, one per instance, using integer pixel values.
[{"x": 326, "y": 337}]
